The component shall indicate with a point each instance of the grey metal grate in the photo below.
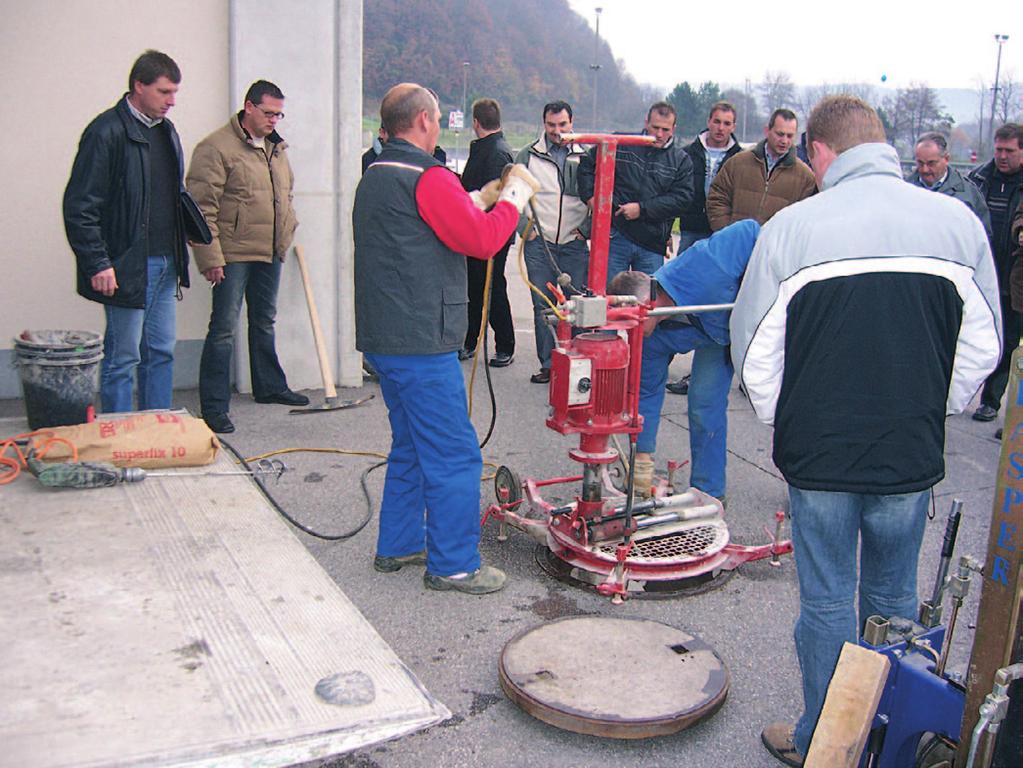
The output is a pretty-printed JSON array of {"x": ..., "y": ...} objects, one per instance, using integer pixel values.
[{"x": 691, "y": 544}]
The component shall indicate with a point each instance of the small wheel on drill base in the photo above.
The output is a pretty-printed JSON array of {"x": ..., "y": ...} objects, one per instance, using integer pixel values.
[{"x": 507, "y": 486}]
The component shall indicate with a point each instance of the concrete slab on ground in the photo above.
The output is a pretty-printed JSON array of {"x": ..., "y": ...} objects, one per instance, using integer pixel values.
[{"x": 178, "y": 621}]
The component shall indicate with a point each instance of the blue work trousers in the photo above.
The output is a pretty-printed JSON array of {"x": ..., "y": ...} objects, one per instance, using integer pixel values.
[
  {"x": 826, "y": 528},
  {"x": 623, "y": 255},
  {"x": 432, "y": 490},
  {"x": 573, "y": 258},
  {"x": 139, "y": 343},
  {"x": 709, "y": 384},
  {"x": 256, "y": 282}
]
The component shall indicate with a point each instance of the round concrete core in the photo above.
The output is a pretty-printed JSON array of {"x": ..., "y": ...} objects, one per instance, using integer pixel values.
[{"x": 622, "y": 678}]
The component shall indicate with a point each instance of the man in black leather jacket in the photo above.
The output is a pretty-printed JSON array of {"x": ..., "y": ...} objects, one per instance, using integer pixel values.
[
  {"x": 653, "y": 184},
  {"x": 124, "y": 222}
]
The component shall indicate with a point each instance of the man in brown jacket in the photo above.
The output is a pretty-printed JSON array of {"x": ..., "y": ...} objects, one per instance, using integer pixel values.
[
  {"x": 759, "y": 182},
  {"x": 242, "y": 181}
]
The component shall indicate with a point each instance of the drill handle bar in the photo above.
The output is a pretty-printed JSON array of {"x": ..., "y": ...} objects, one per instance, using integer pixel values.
[
  {"x": 694, "y": 309},
  {"x": 931, "y": 610},
  {"x": 607, "y": 138},
  {"x": 947, "y": 547}
]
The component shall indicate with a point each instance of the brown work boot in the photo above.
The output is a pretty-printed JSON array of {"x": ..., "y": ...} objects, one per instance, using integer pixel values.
[
  {"x": 482, "y": 581},
  {"x": 779, "y": 740},
  {"x": 643, "y": 481},
  {"x": 543, "y": 376}
]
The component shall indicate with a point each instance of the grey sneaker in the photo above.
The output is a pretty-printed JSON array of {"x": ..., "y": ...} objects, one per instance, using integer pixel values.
[
  {"x": 482, "y": 581},
  {"x": 985, "y": 413},
  {"x": 392, "y": 564}
]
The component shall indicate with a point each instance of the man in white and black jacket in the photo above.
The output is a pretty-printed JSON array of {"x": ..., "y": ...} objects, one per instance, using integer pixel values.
[{"x": 867, "y": 314}]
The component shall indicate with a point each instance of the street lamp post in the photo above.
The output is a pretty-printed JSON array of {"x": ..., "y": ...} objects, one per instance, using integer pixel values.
[
  {"x": 1000, "y": 39},
  {"x": 745, "y": 110},
  {"x": 595, "y": 66},
  {"x": 465, "y": 87}
]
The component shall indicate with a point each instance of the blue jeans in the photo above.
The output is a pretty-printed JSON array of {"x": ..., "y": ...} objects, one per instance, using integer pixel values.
[
  {"x": 257, "y": 283},
  {"x": 623, "y": 254},
  {"x": 432, "y": 489},
  {"x": 572, "y": 257},
  {"x": 708, "y": 400},
  {"x": 826, "y": 527},
  {"x": 140, "y": 343}
]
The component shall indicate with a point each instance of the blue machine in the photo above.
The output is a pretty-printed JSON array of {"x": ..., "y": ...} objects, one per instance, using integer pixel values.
[
  {"x": 916, "y": 701},
  {"x": 918, "y": 698}
]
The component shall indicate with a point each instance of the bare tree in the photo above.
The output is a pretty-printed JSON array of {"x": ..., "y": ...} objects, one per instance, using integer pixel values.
[
  {"x": 809, "y": 95},
  {"x": 1010, "y": 99},
  {"x": 745, "y": 105},
  {"x": 913, "y": 111},
  {"x": 776, "y": 91}
]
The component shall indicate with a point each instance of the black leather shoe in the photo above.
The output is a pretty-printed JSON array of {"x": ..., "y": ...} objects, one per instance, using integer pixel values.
[
  {"x": 465, "y": 354},
  {"x": 287, "y": 397},
  {"x": 219, "y": 423},
  {"x": 543, "y": 376},
  {"x": 502, "y": 359},
  {"x": 680, "y": 387}
]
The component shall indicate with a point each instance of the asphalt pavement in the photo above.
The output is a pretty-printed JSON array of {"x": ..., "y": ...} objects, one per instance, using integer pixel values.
[{"x": 452, "y": 641}]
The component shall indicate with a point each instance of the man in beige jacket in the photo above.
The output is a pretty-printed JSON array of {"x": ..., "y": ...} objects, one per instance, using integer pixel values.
[{"x": 242, "y": 181}]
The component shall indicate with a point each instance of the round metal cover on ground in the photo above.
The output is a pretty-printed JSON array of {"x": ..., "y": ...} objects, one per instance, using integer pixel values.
[{"x": 624, "y": 678}]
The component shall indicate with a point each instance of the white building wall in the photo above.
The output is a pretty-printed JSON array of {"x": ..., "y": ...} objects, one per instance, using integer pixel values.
[{"x": 65, "y": 61}]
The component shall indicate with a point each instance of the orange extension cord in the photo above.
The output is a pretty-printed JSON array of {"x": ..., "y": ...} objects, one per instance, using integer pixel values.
[{"x": 42, "y": 440}]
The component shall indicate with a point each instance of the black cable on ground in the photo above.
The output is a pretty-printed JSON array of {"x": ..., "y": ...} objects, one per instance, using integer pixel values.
[
  {"x": 490, "y": 382},
  {"x": 305, "y": 529}
]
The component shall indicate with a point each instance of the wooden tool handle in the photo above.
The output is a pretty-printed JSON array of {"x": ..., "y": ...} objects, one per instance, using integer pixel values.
[{"x": 314, "y": 319}]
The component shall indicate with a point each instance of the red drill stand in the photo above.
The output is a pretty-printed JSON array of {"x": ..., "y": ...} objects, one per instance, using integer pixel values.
[{"x": 604, "y": 537}]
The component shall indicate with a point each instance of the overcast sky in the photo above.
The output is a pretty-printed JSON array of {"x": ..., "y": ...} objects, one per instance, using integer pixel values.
[{"x": 944, "y": 44}]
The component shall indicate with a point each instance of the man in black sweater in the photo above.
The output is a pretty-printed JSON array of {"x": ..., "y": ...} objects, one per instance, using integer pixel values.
[{"x": 488, "y": 155}]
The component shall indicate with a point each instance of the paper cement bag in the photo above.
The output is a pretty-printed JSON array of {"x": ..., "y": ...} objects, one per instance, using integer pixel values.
[{"x": 147, "y": 440}]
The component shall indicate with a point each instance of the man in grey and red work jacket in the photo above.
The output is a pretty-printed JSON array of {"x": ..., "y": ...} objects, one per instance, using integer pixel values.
[{"x": 413, "y": 226}]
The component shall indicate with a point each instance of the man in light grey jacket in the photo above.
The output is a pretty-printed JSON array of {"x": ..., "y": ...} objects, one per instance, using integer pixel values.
[
  {"x": 867, "y": 313},
  {"x": 563, "y": 218}
]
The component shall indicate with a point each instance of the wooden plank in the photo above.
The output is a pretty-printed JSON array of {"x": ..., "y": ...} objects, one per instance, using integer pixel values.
[
  {"x": 998, "y": 640},
  {"x": 849, "y": 709}
]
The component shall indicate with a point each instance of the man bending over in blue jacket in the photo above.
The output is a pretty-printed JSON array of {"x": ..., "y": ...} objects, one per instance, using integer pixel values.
[{"x": 709, "y": 272}]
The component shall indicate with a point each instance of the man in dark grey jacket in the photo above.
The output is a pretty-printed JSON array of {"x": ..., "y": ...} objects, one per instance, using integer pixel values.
[{"x": 934, "y": 173}]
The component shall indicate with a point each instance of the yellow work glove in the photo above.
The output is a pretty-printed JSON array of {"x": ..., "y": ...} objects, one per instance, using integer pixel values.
[
  {"x": 518, "y": 185},
  {"x": 486, "y": 196}
]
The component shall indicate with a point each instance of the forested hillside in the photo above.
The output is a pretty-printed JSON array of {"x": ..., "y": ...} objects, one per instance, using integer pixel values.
[{"x": 522, "y": 52}]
